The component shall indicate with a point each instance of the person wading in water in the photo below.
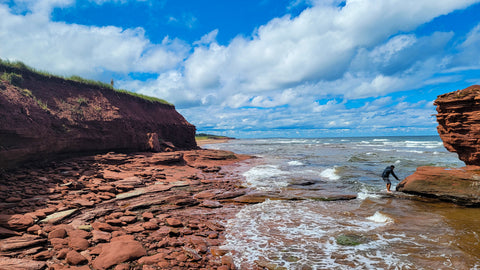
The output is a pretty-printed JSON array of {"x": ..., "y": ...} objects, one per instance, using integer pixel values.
[{"x": 385, "y": 175}]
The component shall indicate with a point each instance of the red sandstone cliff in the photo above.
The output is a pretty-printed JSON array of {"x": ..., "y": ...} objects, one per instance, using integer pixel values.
[
  {"x": 459, "y": 128},
  {"x": 43, "y": 117},
  {"x": 459, "y": 123}
]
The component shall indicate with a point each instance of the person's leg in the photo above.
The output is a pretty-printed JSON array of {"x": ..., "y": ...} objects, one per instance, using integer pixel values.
[{"x": 389, "y": 184}]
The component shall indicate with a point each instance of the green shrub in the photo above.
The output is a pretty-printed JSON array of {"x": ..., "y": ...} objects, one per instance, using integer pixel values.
[
  {"x": 42, "y": 104},
  {"x": 21, "y": 66},
  {"x": 27, "y": 93},
  {"x": 12, "y": 78},
  {"x": 82, "y": 101}
]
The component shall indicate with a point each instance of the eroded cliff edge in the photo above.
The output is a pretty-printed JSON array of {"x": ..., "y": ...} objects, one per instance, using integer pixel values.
[
  {"x": 459, "y": 128},
  {"x": 43, "y": 117}
]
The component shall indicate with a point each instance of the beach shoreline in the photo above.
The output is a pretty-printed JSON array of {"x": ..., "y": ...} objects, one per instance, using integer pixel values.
[
  {"x": 172, "y": 207},
  {"x": 202, "y": 142}
]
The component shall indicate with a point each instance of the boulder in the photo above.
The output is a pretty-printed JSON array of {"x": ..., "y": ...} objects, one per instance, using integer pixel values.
[{"x": 16, "y": 222}]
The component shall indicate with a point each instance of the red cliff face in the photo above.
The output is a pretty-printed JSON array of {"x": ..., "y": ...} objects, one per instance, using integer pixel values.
[
  {"x": 459, "y": 123},
  {"x": 43, "y": 117},
  {"x": 459, "y": 127}
]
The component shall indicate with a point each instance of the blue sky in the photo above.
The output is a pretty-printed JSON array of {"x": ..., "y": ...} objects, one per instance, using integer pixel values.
[{"x": 266, "y": 68}]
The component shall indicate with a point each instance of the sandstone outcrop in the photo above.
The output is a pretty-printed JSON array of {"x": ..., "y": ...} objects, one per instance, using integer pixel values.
[
  {"x": 43, "y": 117},
  {"x": 459, "y": 123},
  {"x": 458, "y": 185},
  {"x": 459, "y": 128}
]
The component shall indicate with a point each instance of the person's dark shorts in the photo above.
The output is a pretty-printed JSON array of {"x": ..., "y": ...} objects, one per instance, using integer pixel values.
[{"x": 386, "y": 180}]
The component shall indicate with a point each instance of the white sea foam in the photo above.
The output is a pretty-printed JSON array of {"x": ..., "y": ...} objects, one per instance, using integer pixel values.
[
  {"x": 364, "y": 194},
  {"x": 295, "y": 163},
  {"x": 380, "y": 218},
  {"x": 266, "y": 177},
  {"x": 330, "y": 174},
  {"x": 297, "y": 234}
]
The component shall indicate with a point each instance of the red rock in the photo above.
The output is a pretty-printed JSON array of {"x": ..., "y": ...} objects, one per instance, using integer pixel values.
[
  {"x": 150, "y": 225},
  {"x": 147, "y": 215},
  {"x": 82, "y": 202},
  {"x": 134, "y": 228},
  {"x": 126, "y": 237},
  {"x": 13, "y": 199},
  {"x": 16, "y": 264},
  {"x": 122, "y": 266},
  {"x": 228, "y": 261},
  {"x": 118, "y": 252},
  {"x": 43, "y": 256},
  {"x": 211, "y": 204},
  {"x": 58, "y": 243},
  {"x": 459, "y": 123},
  {"x": 115, "y": 222},
  {"x": 7, "y": 233},
  {"x": 173, "y": 222},
  {"x": 128, "y": 219},
  {"x": 17, "y": 242},
  {"x": 455, "y": 185},
  {"x": 152, "y": 259},
  {"x": 216, "y": 251},
  {"x": 61, "y": 254},
  {"x": 99, "y": 236},
  {"x": 78, "y": 244},
  {"x": 57, "y": 233},
  {"x": 148, "y": 267},
  {"x": 34, "y": 229},
  {"x": 102, "y": 226},
  {"x": 163, "y": 264},
  {"x": 75, "y": 258},
  {"x": 192, "y": 254},
  {"x": 78, "y": 233},
  {"x": 16, "y": 222},
  {"x": 107, "y": 188}
]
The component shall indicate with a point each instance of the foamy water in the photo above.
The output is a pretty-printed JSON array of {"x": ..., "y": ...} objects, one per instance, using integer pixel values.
[{"x": 394, "y": 233}]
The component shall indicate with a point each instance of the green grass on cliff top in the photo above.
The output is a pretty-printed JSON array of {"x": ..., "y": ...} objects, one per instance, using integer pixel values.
[{"x": 22, "y": 67}]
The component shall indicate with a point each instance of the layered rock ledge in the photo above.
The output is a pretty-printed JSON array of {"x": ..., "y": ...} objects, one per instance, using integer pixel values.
[
  {"x": 120, "y": 211},
  {"x": 44, "y": 117},
  {"x": 458, "y": 185}
]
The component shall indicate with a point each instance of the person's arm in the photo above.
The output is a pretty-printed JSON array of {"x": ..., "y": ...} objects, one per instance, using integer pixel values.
[{"x": 395, "y": 176}]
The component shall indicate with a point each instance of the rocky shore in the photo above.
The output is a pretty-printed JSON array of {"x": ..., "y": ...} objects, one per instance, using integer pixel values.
[{"x": 120, "y": 211}]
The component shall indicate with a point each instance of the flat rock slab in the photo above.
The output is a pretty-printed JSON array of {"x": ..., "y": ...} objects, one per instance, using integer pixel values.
[
  {"x": 259, "y": 197},
  {"x": 457, "y": 185},
  {"x": 166, "y": 158},
  {"x": 118, "y": 252},
  {"x": 4, "y": 232},
  {"x": 57, "y": 217},
  {"x": 18, "y": 242},
  {"x": 141, "y": 191},
  {"x": 16, "y": 264}
]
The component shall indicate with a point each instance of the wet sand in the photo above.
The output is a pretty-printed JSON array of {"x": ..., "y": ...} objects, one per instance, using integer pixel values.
[{"x": 202, "y": 142}]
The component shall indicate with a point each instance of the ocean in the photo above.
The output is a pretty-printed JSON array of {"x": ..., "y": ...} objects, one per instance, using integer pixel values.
[{"x": 373, "y": 231}]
